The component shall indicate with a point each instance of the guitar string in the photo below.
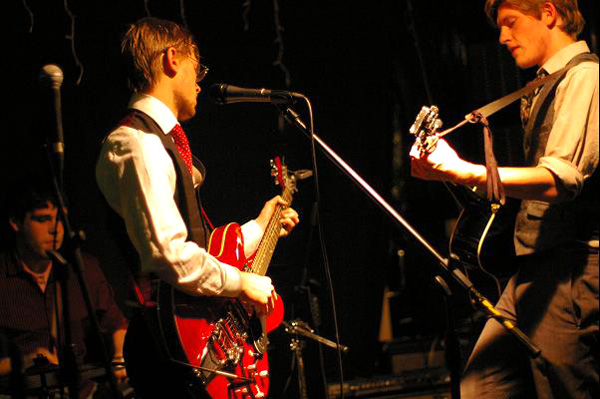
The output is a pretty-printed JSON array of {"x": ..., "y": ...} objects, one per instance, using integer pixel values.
[
  {"x": 269, "y": 244},
  {"x": 270, "y": 238}
]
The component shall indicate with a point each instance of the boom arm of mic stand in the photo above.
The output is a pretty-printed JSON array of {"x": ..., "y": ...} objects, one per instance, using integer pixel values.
[
  {"x": 483, "y": 303},
  {"x": 294, "y": 328}
]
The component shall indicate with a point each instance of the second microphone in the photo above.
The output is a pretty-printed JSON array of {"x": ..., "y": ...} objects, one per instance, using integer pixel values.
[{"x": 221, "y": 93}]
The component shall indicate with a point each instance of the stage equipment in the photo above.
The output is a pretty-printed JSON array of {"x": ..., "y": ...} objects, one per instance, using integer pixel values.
[{"x": 300, "y": 328}]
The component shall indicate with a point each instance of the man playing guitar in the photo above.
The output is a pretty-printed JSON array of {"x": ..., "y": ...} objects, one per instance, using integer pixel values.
[
  {"x": 148, "y": 175},
  {"x": 553, "y": 297}
]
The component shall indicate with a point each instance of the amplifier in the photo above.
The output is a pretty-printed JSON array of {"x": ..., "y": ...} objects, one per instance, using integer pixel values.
[{"x": 415, "y": 384}]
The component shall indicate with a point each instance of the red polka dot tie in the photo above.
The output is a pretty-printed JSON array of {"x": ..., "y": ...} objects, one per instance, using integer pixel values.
[{"x": 183, "y": 146}]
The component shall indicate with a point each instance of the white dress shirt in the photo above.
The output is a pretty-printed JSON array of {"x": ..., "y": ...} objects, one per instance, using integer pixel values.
[
  {"x": 572, "y": 150},
  {"x": 137, "y": 176}
]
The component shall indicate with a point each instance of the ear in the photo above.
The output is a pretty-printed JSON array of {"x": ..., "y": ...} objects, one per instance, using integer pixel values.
[
  {"x": 171, "y": 62},
  {"x": 14, "y": 224},
  {"x": 549, "y": 15}
]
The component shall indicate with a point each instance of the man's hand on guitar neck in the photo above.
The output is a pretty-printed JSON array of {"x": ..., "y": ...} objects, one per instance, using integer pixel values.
[
  {"x": 289, "y": 217},
  {"x": 258, "y": 291},
  {"x": 443, "y": 163}
]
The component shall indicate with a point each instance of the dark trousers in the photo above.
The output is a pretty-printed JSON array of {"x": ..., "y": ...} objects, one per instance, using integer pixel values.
[{"x": 553, "y": 298}]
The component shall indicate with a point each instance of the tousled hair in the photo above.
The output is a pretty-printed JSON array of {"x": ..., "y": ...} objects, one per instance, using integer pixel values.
[
  {"x": 143, "y": 44},
  {"x": 568, "y": 10}
]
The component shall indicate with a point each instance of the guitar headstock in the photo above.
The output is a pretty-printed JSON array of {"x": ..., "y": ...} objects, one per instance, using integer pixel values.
[
  {"x": 285, "y": 179},
  {"x": 425, "y": 128}
]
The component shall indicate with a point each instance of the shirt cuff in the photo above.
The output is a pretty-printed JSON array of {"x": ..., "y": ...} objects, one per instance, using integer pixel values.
[
  {"x": 232, "y": 285},
  {"x": 252, "y": 233},
  {"x": 569, "y": 177}
]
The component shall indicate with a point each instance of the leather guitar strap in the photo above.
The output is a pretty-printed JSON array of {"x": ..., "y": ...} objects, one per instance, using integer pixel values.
[
  {"x": 495, "y": 189},
  {"x": 502, "y": 102}
]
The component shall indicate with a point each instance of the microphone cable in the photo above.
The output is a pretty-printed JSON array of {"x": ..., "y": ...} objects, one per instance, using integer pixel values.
[{"x": 321, "y": 235}]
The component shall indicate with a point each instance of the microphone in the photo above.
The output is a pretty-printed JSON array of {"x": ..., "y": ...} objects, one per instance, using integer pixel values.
[
  {"x": 221, "y": 93},
  {"x": 51, "y": 75}
]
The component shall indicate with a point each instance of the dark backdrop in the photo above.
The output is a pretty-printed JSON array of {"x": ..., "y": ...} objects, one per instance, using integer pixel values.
[{"x": 367, "y": 69}]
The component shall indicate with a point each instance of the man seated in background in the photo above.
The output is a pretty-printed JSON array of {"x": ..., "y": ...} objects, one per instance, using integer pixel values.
[{"x": 31, "y": 307}]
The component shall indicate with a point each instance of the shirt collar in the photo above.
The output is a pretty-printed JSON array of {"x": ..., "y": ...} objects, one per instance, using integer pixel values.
[
  {"x": 155, "y": 109},
  {"x": 10, "y": 264},
  {"x": 14, "y": 265},
  {"x": 564, "y": 55}
]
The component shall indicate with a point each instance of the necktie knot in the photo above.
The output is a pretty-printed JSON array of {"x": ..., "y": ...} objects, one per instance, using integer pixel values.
[
  {"x": 183, "y": 146},
  {"x": 527, "y": 100}
]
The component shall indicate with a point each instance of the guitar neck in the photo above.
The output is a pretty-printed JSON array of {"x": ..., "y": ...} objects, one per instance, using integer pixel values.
[{"x": 267, "y": 245}]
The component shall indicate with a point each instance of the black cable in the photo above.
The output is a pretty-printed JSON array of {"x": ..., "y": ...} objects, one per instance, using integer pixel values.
[{"x": 326, "y": 266}]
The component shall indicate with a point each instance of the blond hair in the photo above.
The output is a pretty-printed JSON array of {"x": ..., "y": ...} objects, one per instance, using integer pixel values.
[
  {"x": 568, "y": 10},
  {"x": 143, "y": 44}
]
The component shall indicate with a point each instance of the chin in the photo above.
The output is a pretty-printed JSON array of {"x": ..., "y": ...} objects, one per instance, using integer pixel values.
[
  {"x": 189, "y": 114},
  {"x": 524, "y": 63}
]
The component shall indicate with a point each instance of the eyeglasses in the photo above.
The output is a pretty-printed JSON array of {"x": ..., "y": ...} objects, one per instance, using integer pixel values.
[{"x": 201, "y": 72}]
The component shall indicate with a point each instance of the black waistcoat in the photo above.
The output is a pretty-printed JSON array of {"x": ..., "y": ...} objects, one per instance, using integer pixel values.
[{"x": 186, "y": 196}]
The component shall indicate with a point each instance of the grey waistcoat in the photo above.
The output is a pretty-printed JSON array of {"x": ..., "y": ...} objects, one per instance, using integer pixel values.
[{"x": 541, "y": 226}]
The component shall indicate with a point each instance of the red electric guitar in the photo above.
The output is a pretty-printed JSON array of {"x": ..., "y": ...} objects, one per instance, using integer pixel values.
[{"x": 222, "y": 341}]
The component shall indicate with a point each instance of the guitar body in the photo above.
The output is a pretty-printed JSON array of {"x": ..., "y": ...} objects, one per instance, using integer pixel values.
[
  {"x": 472, "y": 226},
  {"x": 482, "y": 238},
  {"x": 209, "y": 347},
  {"x": 227, "y": 245},
  {"x": 215, "y": 333},
  {"x": 482, "y": 225}
]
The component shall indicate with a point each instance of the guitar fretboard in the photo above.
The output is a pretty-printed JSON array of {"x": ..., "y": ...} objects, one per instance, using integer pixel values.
[{"x": 265, "y": 250}]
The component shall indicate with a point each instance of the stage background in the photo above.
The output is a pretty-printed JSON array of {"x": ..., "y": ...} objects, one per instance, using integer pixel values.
[{"x": 367, "y": 69}]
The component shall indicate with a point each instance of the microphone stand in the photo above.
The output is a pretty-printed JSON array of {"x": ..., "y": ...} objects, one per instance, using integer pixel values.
[
  {"x": 452, "y": 353},
  {"x": 448, "y": 265},
  {"x": 69, "y": 369},
  {"x": 298, "y": 327},
  {"x": 73, "y": 261}
]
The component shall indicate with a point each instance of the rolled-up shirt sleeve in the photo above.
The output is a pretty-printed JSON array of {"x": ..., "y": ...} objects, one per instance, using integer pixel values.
[
  {"x": 137, "y": 177},
  {"x": 572, "y": 149}
]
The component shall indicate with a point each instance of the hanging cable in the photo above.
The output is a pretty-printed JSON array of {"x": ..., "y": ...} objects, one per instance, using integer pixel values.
[
  {"x": 279, "y": 41},
  {"x": 321, "y": 234},
  {"x": 30, "y": 15},
  {"x": 147, "y": 8},
  {"x": 71, "y": 38},
  {"x": 246, "y": 6},
  {"x": 182, "y": 13}
]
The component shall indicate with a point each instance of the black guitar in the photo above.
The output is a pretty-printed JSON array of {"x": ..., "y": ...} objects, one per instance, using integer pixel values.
[{"x": 481, "y": 238}]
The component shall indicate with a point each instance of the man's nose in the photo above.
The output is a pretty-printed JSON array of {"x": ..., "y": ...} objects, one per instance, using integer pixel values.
[
  {"x": 504, "y": 35},
  {"x": 54, "y": 227}
]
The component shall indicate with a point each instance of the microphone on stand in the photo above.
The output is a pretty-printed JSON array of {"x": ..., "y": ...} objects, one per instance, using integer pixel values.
[
  {"x": 221, "y": 93},
  {"x": 52, "y": 76}
]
